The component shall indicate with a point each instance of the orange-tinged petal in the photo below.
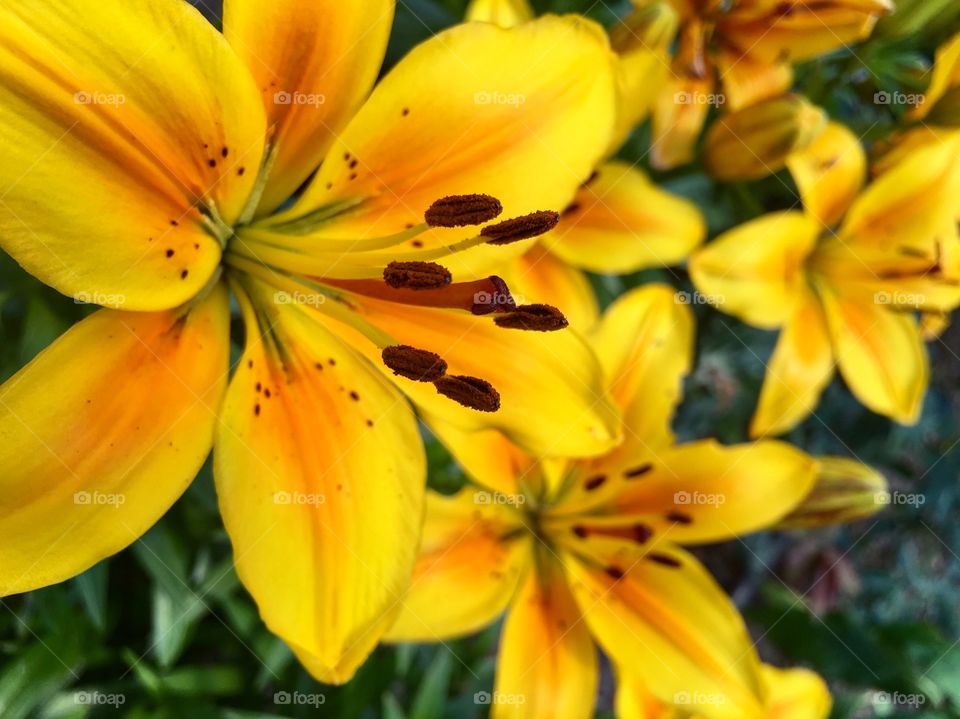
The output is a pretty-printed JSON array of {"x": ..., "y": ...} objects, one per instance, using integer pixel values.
[
  {"x": 799, "y": 370},
  {"x": 319, "y": 468},
  {"x": 471, "y": 561},
  {"x": 745, "y": 81},
  {"x": 314, "y": 63},
  {"x": 755, "y": 271},
  {"x": 522, "y": 114},
  {"x": 119, "y": 121},
  {"x": 547, "y": 664},
  {"x": 829, "y": 173},
  {"x": 669, "y": 621},
  {"x": 795, "y": 694},
  {"x": 880, "y": 354},
  {"x": 552, "y": 398},
  {"x": 102, "y": 432},
  {"x": 635, "y": 701},
  {"x": 541, "y": 276},
  {"x": 678, "y": 118},
  {"x": 621, "y": 222}
]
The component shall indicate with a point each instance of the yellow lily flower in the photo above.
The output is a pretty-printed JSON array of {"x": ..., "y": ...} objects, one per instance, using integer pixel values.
[
  {"x": 733, "y": 54},
  {"x": 844, "y": 296},
  {"x": 790, "y": 694},
  {"x": 586, "y": 552},
  {"x": 143, "y": 156},
  {"x": 619, "y": 221}
]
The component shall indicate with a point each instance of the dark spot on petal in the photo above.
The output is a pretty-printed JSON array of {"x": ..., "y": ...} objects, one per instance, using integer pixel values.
[
  {"x": 406, "y": 111},
  {"x": 256, "y": 410},
  {"x": 580, "y": 531},
  {"x": 663, "y": 559},
  {"x": 353, "y": 163},
  {"x": 225, "y": 152},
  {"x": 169, "y": 253},
  {"x": 595, "y": 482},
  {"x": 638, "y": 471},
  {"x": 680, "y": 518},
  {"x": 614, "y": 572},
  {"x": 241, "y": 171},
  {"x": 266, "y": 393},
  {"x": 183, "y": 275},
  {"x": 212, "y": 163},
  {"x": 259, "y": 387},
  {"x": 354, "y": 396}
]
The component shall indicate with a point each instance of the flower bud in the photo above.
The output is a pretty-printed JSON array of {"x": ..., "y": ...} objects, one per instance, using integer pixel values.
[
  {"x": 845, "y": 490},
  {"x": 755, "y": 142}
]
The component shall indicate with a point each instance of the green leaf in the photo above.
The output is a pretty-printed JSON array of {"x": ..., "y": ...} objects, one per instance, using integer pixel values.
[
  {"x": 432, "y": 694},
  {"x": 92, "y": 588}
]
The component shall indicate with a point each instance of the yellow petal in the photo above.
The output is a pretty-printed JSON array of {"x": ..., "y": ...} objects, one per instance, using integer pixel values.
[
  {"x": 645, "y": 343},
  {"x": 795, "y": 694},
  {"x": 319, "y": 470},
  {"x": 621, "y": 222},
  {"x": 116, "y": 117},
  {"x": 678, "y": 118},
  {"x": 946, "y": 75},
  {"x": 756, "y": 141},
  {"x": 671, "y": 623},
  {"x": 910, "y": 204},
  {"x": 700, "y": 492},
  {"x": 829, "y": 173},
  {"x": 755, "y": 271},
  {"x": 522, "y": 114},
  {"x": 551, "y": 376},
  {"x": 746, "y": 81},
  {"x": 634, "y": 700},
  {"x": 799, "y": 370},
  {"x": 314, "y": 63},
  {"x": 547, "y": 663},
  {"x": 102, "y": 432},
  {"x": 468, "y": 569},
  {"x": 540, "y": 276},
  {"x": 880, "y": 354},
  {"x": 505, "y": 13},
  {"x": 845, "y": 490}
]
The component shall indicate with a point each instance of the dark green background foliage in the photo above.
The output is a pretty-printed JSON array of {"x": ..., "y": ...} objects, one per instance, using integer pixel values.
[{"x": 872, "y": 606}]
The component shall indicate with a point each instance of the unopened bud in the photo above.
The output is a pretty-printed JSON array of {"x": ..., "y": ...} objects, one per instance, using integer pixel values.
[{"x": 845, "y": 490}]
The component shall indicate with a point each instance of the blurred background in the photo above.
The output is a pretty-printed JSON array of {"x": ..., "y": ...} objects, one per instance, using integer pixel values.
[{"x": 873, "y": 606}]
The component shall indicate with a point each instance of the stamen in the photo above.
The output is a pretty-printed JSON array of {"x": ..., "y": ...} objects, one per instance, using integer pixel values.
[
  {"x": 520, "y": 228},
  {"x": 412, "y": 363},
  {"x": 478, "y": 297},
  {"x": 471, "y": 392},
  {"x": 537, "y": 318},
  {"x": 462, "y": 210},
  {"x": 416, "y": 275}
]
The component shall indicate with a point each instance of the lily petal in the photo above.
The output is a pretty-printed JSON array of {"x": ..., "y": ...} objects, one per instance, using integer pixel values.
[
  {"x": 521, "y": 114},
  {"x": 319, "y": 468},
  {"x": 746, "y": 82},
  {"x": 123, "y": 123},
  {"x": 755, "y": 271},
  {"x": 621, "y": 222},
  {"x": 799, "y": 370},
  {"x": 547, "y": 664},
  {"x": 471, "y": 561},
  {"x": 540, "y": 276},
  {"x": 505, "y": 13},
  {"x": 672, "y": 624},
  {"x": 678, "y": 118},
  {"x": 796, "y": 693},
  {"x": 880, "y": 354},
  {"x": 136, "y": 399},
  {"x": 829, "y": 173},
  {"x": 315, "y": 63}
]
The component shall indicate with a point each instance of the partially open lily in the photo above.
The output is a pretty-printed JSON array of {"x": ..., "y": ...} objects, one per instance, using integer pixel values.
[
  {"x": 619, "y": 221},
  {"x": 147, "y": 164},
  {"x": 578, "y": 552},
  {"x": 790, "y": 694},
  {"x": 733, "y": 54},
  {"x": 846, "y": 296}
]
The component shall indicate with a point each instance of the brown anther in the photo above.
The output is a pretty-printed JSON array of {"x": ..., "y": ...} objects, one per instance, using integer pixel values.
[
  {"x": 412, "y": 363},
  {"x": 416, "y": 275},
  {"x": 497, "y": 300},
  {"x": 471, "y": 392},
  {"x": 537, "y": 318},
  {"x": 580, "y": 531},
  {"x": 462, "y": 210},
  {"x": 642, "y": 533},
  {"x": 680, "y": 518},
  {"x": 520, "y": 228}
]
